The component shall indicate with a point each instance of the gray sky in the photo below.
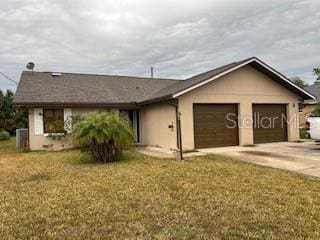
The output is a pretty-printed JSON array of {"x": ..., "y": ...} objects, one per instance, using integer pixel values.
[{"x": 179, "y": 38}]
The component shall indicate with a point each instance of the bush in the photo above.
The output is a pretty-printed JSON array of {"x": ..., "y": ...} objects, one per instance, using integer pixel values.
[
  {"x": 4, "y": 135},
  {"x": 304, "y": 134},
  {"x": 104, "y": 134},
  {"x": 316, "y": 111}
]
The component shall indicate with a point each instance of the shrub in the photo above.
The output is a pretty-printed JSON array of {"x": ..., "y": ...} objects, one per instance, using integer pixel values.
[
  {"x": 304, "y": 134},
  {"x": 316, "y": 111},
  {"x": 4, "y": 135},
  {"x": 104, "y": 134}
]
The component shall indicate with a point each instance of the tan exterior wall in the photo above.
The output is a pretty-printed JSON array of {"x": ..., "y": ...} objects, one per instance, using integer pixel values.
[
  {"x": 307, "y": 110},
  {"x": 244, "y": 86},
  {"x": 154, "y": 131},
  {"x": 155, "y": 120},
  {"x": 42, "y": 142}
]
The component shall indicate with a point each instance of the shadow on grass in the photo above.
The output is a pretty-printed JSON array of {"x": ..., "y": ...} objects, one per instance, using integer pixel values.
[
  {"x": 83, "y": 158},
  {"x": 36, "y": 177},
  {"x": 86, "y": 158}
]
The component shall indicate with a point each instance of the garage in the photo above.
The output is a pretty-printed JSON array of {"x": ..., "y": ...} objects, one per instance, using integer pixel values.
[
  {"x": 269, "y": 123},
  {"x": 215, "y": 125}
]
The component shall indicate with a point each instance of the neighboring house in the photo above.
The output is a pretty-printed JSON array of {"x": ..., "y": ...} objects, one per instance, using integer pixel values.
[
  {"x": 308, "y": 106},
  {"x": 207, "y": 103}
]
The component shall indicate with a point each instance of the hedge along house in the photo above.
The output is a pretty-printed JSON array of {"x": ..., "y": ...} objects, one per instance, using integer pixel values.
[{"x": 218, "y": 108}]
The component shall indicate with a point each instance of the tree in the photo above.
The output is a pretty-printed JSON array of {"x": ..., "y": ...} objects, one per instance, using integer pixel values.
[
  {"x": 316, "y": 72},
  {"x": 298, "y": 81},
  {"x": 316, "y": 111},
  {"x": 11, "y": 117},
  {"x": 104, "y": 134}
]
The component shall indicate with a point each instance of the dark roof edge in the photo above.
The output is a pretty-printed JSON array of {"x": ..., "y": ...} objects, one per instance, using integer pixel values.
[
  {"x": 229, "y": 64},
  {"x": 72, "y": 104},
  {"x": 155, "y": 100}
]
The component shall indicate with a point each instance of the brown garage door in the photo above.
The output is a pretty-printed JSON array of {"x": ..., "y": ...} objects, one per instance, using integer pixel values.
[
  {"x": 269, "y": 123},
  {"x": 212, "y": 127}
]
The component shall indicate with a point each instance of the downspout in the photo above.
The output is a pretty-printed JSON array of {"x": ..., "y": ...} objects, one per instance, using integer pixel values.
[
  {"x": 178, "y": 116},
  {"x": 28, "y": 126},
  {"x": 178, "y": 124}
]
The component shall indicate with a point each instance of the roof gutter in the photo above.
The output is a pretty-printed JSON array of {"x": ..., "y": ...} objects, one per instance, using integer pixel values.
[{"x": 155, "y": 100}]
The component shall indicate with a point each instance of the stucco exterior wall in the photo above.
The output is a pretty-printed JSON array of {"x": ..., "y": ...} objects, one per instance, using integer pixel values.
[
  {"x": 155, "y": 121},
  {"x": 42, "y": 142},
  {"x": 154, "y": 130},
  {"x": 245, "y": 87}
]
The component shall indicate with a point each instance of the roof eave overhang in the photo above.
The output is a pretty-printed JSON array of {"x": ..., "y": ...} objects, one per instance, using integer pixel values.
[
  {"x": 156, "y": 100},
  {"x": 310, "y": 103},
  {"x": 255, "y": 62},
  {"x": 73, "y": 104}
]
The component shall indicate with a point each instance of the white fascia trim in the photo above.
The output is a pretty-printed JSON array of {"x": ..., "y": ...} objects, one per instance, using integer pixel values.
[
  {"x": 310, "y": 103},
  {"x": 237, "y": 67}
]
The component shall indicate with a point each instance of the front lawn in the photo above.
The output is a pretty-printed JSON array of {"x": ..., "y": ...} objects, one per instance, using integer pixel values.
[{"x": 62, "y": 195}]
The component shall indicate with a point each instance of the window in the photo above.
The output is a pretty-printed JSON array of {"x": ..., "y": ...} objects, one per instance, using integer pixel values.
[{"x": 53, "y": 121}]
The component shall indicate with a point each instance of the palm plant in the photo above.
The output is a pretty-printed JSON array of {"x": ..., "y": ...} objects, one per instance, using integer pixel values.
[{"x": 104, "y": 134}]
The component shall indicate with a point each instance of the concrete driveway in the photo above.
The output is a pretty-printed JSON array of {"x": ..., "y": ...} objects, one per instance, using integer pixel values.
[{"x": 301, "y": 157}]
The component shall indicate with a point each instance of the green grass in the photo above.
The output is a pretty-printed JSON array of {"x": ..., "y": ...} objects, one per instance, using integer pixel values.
[{"x": 64, "y": 195}]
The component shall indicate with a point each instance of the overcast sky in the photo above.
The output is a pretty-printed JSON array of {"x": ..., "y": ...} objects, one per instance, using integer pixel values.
[{"x": 178, "y": 38}]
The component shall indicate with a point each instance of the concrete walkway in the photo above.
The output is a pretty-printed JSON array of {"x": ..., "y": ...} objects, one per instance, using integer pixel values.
[
  {"x": 302, "y": 157},
  {"x": 165, "y": 153},
  {"x": 156, "y": 152}
]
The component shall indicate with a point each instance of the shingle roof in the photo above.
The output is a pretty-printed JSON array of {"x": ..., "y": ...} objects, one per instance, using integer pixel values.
[
  {"x": 314, "y": 89},
  {"x": 69, "y": 88}
]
